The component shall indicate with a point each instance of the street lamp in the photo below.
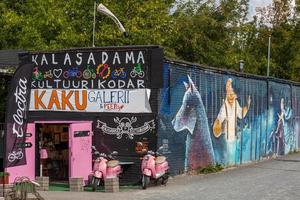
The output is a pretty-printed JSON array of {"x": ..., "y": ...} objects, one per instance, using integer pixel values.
[
  {"x": 269, "y": 54},
  {"x": 242, "y": 66},
  {"x": 102, "y": 9}
]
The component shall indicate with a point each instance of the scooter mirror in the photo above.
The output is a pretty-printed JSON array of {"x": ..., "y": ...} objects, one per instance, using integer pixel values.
[{"x": 114, "y": 153}]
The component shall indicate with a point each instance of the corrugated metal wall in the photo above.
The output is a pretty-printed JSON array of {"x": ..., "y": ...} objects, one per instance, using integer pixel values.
[{"x": 263, "y": 120}]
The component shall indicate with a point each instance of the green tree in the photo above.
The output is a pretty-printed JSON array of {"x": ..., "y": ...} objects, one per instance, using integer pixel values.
[
  {"x": 54, "y": 24},
  {"x": 212, "y": 32}
]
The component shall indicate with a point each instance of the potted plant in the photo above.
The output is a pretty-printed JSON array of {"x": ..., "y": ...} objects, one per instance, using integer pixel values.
[{"x": 4, "y": 177}]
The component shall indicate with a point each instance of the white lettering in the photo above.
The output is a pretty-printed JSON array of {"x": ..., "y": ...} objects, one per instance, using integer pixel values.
[
  {"x": 67, "y": 58},
  {"x": 140, "y": 57},
  {"x": 130, "y": 84},
  {"x": 56, "y": 81},
  {"x": 104, "y": 57},
  {"x": 111, "y": 84},
  {"x": 116, "y": 57},
  {"x": 140, "y": 84},
  {"x": 44, "y": 60},
  {"x": 79, "y": 56},
  {"x": 53, "y": 60},
  {"x": 19, "y": 116},
  {"x": 121, "y": 84},
  {"x": 84, "y": 84},
  {"x": 129, "y": 57},
  {"x": 34, "y": 57},
  {"x": 91, "y": 58}
]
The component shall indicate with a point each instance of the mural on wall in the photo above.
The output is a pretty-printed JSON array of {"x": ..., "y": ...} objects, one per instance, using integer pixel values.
[
  {"x": 192, "y": 116},
  {"x": 232, "y": 119},
  {"x": 296, "y": 109},
  {"x": 226, "y": 121},
  {"x": 277, "y": 136},
  {"x": 283, "y": 127}
]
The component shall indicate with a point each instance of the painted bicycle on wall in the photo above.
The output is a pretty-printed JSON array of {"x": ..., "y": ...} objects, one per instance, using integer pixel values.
[
  {"x": 37, "y": 75},
  {"x": 118, "y": 73},
  {"x": 89, "y": 73},
  {"x": 48, "y": 74},
  {"x": 72, "y": 72},
  {"x": 137, "y": 71},
  {"x": 15, "y": 155}
]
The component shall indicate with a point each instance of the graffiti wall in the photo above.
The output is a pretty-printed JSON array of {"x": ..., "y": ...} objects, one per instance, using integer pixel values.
[
  {"x": 208, "y": 117},
  {"x": 296, "y": 115}
]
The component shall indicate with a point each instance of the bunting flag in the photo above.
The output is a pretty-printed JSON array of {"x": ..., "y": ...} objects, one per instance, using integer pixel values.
[{"x": 16, "y": 115}]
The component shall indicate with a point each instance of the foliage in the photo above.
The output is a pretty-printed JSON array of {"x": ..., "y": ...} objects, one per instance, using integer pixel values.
[
  {"x": 210, "y": 169},
  {"x": 213, "y": 32},
  {"x": 4, "y": 82}
]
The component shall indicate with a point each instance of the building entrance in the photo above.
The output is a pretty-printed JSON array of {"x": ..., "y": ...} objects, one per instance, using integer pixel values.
[{"x": 53, "y": 149}]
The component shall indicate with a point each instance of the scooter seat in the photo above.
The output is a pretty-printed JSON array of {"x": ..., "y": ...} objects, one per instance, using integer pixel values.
[
  {"x": 112, "y": 163},
  {"x": 160, "y": 159}
]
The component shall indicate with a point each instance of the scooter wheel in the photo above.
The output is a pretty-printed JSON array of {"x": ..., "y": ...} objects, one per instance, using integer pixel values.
[
  {"x": 165, "y": 179},
  {"x": 95, "y": 184},
  {"x": 145, "y": 181}
]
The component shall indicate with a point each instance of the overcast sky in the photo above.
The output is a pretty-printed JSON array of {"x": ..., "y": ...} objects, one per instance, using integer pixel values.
[
  {"x": 257, "y": 3},
  {"x": 254, "y": 4}
]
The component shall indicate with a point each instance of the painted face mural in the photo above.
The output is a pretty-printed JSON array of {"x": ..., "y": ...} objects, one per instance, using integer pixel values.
[
  {"x": 227, "y": 118},
  {"x": 230, "y": 111},
  {"x": 192, "y": 116}
]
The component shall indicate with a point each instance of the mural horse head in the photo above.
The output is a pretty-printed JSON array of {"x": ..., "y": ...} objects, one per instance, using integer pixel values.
[{"x": 192, "y": 116}]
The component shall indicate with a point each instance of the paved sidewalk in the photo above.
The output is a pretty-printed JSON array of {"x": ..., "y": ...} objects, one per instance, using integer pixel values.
[{"x": 268, "y": 180}]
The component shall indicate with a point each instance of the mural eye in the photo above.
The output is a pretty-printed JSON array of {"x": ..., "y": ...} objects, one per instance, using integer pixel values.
[
  {"x": 127, "y": 124},
  {"x": 122, "y": 124}
]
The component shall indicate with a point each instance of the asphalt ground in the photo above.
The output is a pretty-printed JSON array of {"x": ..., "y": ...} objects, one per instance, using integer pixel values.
[{"x": 276, "y": 179}]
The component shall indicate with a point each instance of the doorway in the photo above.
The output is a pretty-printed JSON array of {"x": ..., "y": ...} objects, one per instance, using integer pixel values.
[{"x": 52, "y": 151}]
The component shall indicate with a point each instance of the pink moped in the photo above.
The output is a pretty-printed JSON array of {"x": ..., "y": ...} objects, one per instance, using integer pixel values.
[
  {"x": 155, "y": 167},
  {"x": 105, "y": 166}
]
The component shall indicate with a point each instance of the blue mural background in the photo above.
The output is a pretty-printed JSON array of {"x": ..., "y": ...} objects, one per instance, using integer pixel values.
[{"x": 254, "y": 132}]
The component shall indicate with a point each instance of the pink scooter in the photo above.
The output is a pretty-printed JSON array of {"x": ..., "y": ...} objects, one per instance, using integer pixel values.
[
  {"x": 104, "y": 168},
  {"x": 155, "y": 167}
]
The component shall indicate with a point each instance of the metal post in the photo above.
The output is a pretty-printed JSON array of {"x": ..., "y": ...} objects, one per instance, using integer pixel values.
[
  {"x": 94, "y": 23},
  {"x": 4, "y": 170},
  {"x": 40, "y": 149},
  {"x": 242, "y": 66},
  {"x": 269, "y": 54}
]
